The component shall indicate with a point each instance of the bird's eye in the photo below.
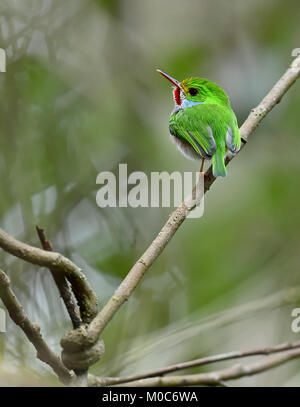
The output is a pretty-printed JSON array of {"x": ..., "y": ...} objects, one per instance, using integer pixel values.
[{"x": 193, "y": 91}]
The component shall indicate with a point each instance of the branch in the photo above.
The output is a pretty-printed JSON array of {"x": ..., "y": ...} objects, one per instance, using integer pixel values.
[
  {"x": 135, "y": 275},
  {"x": 200, "y": 362},
  {"x": 31, "y": 330},
  {"x": 85, "y": 295},
  {"x": 218, "y": 377},
  {"x": 62, "y": 284},
  {"x": 68, "y": 299},
  {"x": 181, "y": 333}
]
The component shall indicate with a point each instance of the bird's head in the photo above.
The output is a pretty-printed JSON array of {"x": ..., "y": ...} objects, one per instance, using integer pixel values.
[{"x": 196, "y": 90}]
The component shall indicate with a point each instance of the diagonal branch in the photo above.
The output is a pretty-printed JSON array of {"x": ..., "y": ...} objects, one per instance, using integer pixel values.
[
  {"x": 62, "y": 284},
  {"x": 67, "y": 297},
  {"x": 135, "y": 275},
  {"x": 200, "y": 362},
  {"x": 31, "y": 330}
]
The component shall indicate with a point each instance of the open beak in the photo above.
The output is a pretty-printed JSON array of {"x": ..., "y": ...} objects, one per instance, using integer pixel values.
[{"x": 172, "y": 80}]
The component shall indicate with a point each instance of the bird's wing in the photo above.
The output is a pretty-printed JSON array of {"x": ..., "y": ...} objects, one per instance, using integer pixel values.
[
  {"x": 233, "y": 139},
  {"x": 206, "y": 127},
  {"x": 186, "y": 124}
]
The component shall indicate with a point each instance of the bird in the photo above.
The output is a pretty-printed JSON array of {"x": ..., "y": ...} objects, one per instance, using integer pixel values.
[{"x": 203, "y": 124}]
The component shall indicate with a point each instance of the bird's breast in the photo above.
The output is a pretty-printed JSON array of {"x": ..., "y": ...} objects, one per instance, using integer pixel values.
[{"x": 185, "y": 148}]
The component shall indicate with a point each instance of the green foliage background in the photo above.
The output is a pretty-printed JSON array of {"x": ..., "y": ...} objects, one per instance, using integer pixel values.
[{"x": 80, "y": 96}]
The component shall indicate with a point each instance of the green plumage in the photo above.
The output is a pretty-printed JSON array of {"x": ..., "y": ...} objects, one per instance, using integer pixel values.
[{"x": 203, "y": 123}]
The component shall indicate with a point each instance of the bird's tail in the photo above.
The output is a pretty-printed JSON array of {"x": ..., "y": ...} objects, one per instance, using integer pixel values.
[{"x": 219, "y": 169}]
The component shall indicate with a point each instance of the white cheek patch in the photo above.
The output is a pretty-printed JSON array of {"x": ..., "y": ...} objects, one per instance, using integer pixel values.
[{"x": 189, "y": 103}]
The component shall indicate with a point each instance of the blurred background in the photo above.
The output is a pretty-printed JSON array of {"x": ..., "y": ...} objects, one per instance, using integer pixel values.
[{"x": 80, "y": 96}]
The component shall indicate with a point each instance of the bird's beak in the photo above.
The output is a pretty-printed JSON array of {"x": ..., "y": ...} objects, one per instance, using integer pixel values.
[{"x": 172, "y": 80}]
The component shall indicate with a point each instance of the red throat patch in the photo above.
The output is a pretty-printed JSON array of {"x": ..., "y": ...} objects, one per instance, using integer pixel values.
[{"x": 176, "y": 94}]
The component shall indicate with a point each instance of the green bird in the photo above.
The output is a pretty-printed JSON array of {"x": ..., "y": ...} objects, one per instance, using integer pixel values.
[{"x": 203, "y": 125}]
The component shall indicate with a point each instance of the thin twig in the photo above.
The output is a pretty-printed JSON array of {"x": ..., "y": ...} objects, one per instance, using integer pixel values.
[
  {"x": 68, "y": 299},
  {"x": 179, "y": 333},
  {"x": 62, "y": 284},
  {"x": 135, "y": 275},
  {"x": 202, "y": 361},
  {"x": 234, "y": 372},
  {"x": 31, "y": 330}
]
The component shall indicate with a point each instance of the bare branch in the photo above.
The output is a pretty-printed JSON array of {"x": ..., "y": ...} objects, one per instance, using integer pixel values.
[
  {"x": 71, "y": 306},
  {"x": 180, "y": 333},
  {"x": 62, "y": 284},
  {"x": 202, "y": 361},
  {"x": 218, "y": 377},
  {"x": 31, "y": 330},
  {"x": 85, "y": 295},
  {"x": 135, "y": 275}
]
